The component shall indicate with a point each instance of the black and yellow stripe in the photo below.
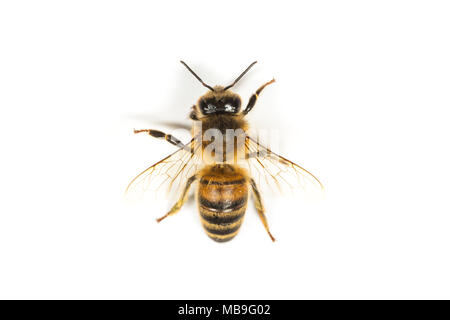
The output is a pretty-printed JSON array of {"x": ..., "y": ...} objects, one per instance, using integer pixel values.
[{"x": 222, "y": 200}]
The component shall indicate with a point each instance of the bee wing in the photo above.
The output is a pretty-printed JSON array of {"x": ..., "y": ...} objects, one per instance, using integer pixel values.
[
  {"x": 276, "y": 173},
  {"x": 168, "y": 176}
]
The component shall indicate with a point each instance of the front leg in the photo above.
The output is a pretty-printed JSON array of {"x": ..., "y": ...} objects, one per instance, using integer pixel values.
[
  {"x": 254, "y": 97},
  {"x": 181, "y": 201},
  {"x": 193, "y": 114}
]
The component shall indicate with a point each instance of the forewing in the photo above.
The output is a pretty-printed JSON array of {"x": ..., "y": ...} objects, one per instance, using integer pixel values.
[
  {"x": 167, "y": 176},
  {"x": 275, "y": 173}
]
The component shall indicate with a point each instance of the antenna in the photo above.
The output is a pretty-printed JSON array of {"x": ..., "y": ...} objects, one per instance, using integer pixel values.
[
  {"x": 239, "y": 78},
  {"x": 196, "y": 76}
]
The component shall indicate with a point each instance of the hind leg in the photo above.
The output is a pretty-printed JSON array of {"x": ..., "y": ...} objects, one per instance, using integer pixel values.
[
  {"x": 260, "y": 208},
  {"x": 177, "y": 206}
]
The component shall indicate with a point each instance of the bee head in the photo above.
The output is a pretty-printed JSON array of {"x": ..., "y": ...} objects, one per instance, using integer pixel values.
[{"x": 219, "y": 101}]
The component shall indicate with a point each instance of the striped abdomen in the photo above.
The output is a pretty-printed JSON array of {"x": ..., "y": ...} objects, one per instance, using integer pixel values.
[{"x": 222, "y": 201}]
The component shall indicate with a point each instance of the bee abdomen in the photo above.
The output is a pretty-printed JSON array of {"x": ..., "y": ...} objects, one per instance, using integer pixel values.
[
  {"x": 222, "y": 206},
  {"x": 222, "y": 225}
]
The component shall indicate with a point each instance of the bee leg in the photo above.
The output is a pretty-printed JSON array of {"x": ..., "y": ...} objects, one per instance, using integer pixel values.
[
  {"x": 168, "y": 137},
  {"x": 193, "y": 114},
  {"x": 260, "y": 208},
  {"x": 254, "y": 97},
  {"x": 177, "y": 206}
]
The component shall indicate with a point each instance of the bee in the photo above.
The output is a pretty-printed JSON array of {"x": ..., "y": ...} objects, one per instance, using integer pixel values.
[{"x": 227, "y": 174}]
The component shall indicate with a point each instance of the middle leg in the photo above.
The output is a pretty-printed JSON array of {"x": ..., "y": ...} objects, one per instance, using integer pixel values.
[{"x": 161, "y": 135}]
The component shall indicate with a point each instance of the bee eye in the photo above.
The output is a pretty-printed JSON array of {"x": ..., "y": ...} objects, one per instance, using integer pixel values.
[
  {"x": 237, "y": 103},
  {"x": 210, "y": 108},
  {"x": 202, "y": 104},
  {"x": 229, "y": 108}
]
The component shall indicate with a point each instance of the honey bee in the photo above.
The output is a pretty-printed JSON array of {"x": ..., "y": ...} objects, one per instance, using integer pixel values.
[{"x": 227, "y": 173}]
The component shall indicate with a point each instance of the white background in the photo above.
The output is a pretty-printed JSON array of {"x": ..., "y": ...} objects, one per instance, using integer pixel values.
[{"x": 361, "y": 99}]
